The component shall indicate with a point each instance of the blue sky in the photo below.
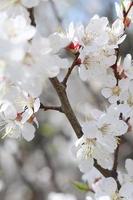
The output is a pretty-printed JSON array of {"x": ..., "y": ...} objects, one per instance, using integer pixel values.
[{"x": 82, "y": 10}]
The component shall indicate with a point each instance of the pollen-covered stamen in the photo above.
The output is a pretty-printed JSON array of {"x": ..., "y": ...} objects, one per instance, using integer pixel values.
[
  {"x": 118, "y": 140},
  {"x": 88, "y": 148},
  {"x": 28, "y": 59},
  {"x": 87, "y": 61},
  {"x": 2, "y": 125},
  {"x": 25, "y": 103},
  {"x": 116, "y": 196},
  {"x": 87, "y": 38},
  {"x": 105, "y": 129},
  {"x": 5, "y": 129},
  {"x": 12, "y": 128},
  {"x": 9, "y": 131},
  {"x": 116, "y": 90},
  {"x": 130, "y": 99}
]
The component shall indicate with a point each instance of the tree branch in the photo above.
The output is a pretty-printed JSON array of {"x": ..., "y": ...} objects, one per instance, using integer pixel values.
[
  {"x": 115, "y": 166},
  {"x": 114, "y": 169},
  {"x": 64, "y": 82},
  {"x": 32, "y": 17},
  {"x": 57, "y": 108},
  {"x": 66, "y": 107},
  {"x": 126, "y": 21}
]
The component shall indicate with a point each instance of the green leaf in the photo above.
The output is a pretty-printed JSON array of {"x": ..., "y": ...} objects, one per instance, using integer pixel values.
[
  {"x": 47, "y": 130},
  {"x": 83, "y": 187}
]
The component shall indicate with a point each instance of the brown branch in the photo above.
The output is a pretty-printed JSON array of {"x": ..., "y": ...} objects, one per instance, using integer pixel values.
[
  {"x": 64, "y": 82},
  {"x": 125, "y": 13},
  {"x": 32, "y": 17},
  {"x": 108, "y": 173},
  {"x": 66, "y": 107},
  {"x": 56, "y": 108},
  {"x": 115, "y": 166},
  {"x": 126, "y": 21},
  {"x": 104, "y": 172},
  {"x": 114, "y": 169}
]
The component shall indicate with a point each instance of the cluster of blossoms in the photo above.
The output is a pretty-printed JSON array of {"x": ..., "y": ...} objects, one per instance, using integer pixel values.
[
  {"x": 106, "y": 188},
  {"x": 27, "y": 60},
  {"x": 104, "y": 131}
]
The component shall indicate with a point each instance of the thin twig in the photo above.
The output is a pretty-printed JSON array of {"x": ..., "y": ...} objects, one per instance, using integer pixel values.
[
  {"x": 64, "y": 82},
  {"x": 115, "y": 166},
  {"x": 104, "y": 172},
  {"x": 114, "y": 169},
  {"x": 56, "y": 108},
  {"x": 32, "y": 17},
  {"x": 125, "y": 14}
]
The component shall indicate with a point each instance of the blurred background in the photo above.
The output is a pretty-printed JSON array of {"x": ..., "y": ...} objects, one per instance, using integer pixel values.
[{"x": 46, "y": 166}]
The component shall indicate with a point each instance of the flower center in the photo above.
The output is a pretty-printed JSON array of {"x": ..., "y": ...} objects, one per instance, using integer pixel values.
[
  {"x": 116, "y": 90},
  {"x": 130, "y": 100},
  {"x": 89, "y": 147},
  {"x": 104, "y": 129},
  {"x": 22, "y": 102},
  {"x": 116, "y": 197},
  {"x": 87, "y": 62},
  {"x": 28, "y": 59},
  {"x": 87, "y": 38}
]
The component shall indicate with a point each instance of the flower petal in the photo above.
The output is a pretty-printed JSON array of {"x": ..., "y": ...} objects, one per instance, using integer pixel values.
[{"x": 28, "y": 131}]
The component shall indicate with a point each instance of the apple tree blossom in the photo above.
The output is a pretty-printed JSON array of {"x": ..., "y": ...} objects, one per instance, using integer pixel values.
[{"x": 28, "y": 61}]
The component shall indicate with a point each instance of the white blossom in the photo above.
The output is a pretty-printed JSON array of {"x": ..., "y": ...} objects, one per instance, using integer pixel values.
[
  {"x": 4, "y": 4},
  {"x": 128, "y": 66},
  {"x": 89, "y": 148},
  {"x": 111, "y": 192},
  {"x": 15, "y": 124},
  {"x": 15, "y": 29},
  {"x": 113, "y": 91}
]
